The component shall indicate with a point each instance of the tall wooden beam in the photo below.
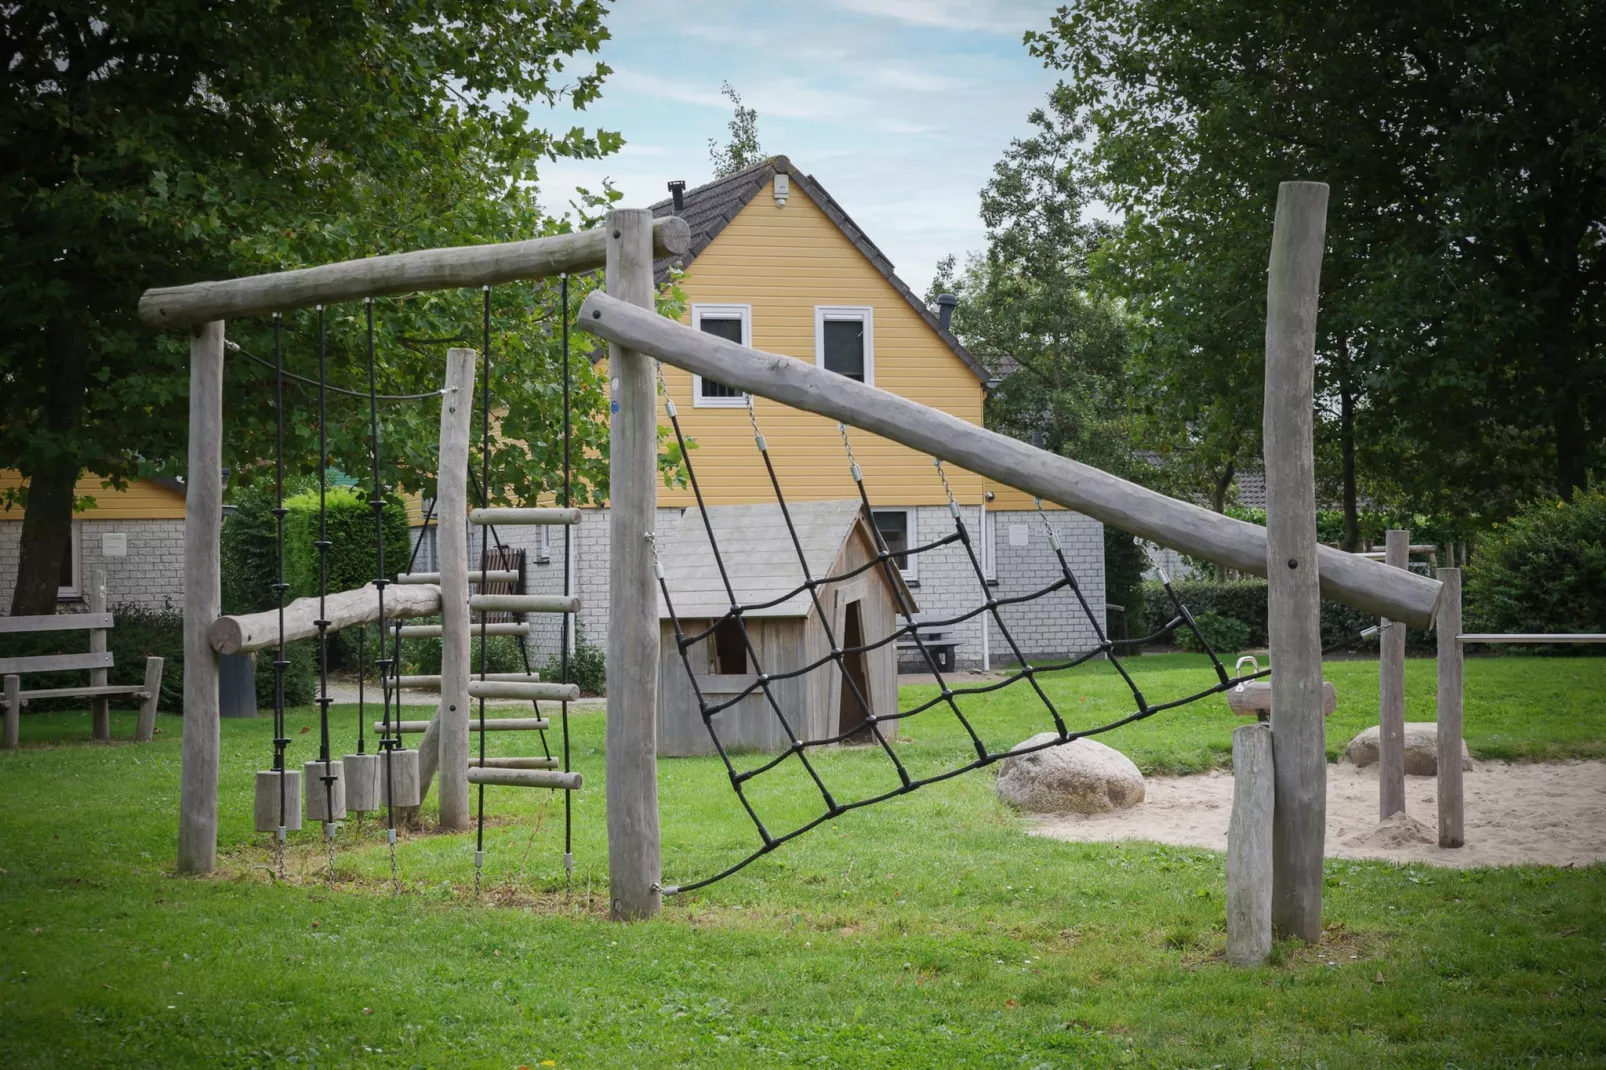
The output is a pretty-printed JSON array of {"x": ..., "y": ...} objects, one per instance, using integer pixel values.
[
  {"x": 1391, "y": 693},
  {"x": 1452, "y": 803},
  {"x": 1366, "y": 585},
  {"x": 1299, "y": 745},
  {"x": 428, "y": 269},
  {"x": 451, "y": 504},
  {"x": 203, "y": 530},
  {"x": 634, "y": 865}
]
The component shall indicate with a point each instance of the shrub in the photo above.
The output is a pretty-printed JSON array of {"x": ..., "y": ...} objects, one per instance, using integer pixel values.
[
  {"x": 351, "y": 535},
  {"x": 588, "y": 667},
  {"x": 423, "y": 656},
  {"x": 137, "y": 633},
  {"x": 300, "y": 677},
  {"x": 1245, "y": 601},
  {"x": 1544, "y": 570},
  {"x": 1124, "y": 565},
  {"x": 1226, "y": 635}
]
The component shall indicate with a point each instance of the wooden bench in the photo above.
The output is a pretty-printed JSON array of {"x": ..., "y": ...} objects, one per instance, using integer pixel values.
[
  {"x": 97, "y": 622},
  {"x": 937, "y": 642}
]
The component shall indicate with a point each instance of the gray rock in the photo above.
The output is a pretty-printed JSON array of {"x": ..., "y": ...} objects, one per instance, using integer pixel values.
[
  {"x": 1421, "y": 749},
  {"x": 1079, "y": 777}
]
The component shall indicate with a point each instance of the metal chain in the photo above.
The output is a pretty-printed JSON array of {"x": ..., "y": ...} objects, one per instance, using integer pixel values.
[
  {"x": 942, "y": 473},
  {"x": 1053, "y": 538},
  {"x": 847, "y": 447},
  {"x": 329, "y": 834},
  {"x": 278, "y": 851},
  {"x": 395, "y": 878}
]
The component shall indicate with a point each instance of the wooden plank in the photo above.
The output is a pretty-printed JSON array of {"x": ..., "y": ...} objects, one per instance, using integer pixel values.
[
  {"x": 343, "y": 609},
  {"x": 1532, "y": 637},
  {"x": 146, "y": 727},
  {"x": 475, "y": 575},
  {"x": 634, "y": 862},
  {"x": 513, "y": 517},
  {"x": 1354, "y": 581},
  {"x": 534, "y": 692},
  {"x": 429, "y": 681},
  {"x": 54, "y": 622},
  {"x": 100, "y": 713},
  {"x": 526, "y": 778},
  {"x": 1291, "y": 564},
  {"x": 1452, "y": 799},
  {"x": 513, "y": 763},
  {"x": 524, "y": 603},
  {"x": 433, "y": 631},
  {"x": 1391, "y": 695},
  {"x": 1249, "y": 833},
  {"x": 203, "y": 527},
  {"x": 451, "y": 502},
  {"x": 13, "y": 712},
  {"x": 492, "y": 724},
  {"x": 428, "y": 269},
  {"x": 102, "y": 690},
  {"x": 56, "y": 662}
]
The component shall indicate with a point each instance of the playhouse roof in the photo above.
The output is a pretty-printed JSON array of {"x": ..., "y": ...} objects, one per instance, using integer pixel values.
[{"x": 758, "y": 556}]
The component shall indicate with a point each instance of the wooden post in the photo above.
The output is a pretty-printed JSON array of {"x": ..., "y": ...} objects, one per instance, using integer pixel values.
[
  {"x": 203, "y": 528},
  {"x": 1293, "y": 293},
  {"x": 634, "y": 865},
  {"x": 1391, "y": 693},
  {"x": 100, "y": 713},
  {"x": 13, "y": 713},
  {"x": 1249, "y": 846},
  {"x": 1452, "y": 805},
  {"x": 146, "y": 728},
  {"x": 451, "y": 505}
]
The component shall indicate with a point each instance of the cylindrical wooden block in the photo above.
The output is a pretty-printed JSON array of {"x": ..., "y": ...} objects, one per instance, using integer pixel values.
[
  {"x": 362, "y": 782},
  {"x": 1249, "y": 847},
  {"x": 268, "y": 804},
  {"x": 402, "y": 778},
  {"x": 326, "y": 801}
]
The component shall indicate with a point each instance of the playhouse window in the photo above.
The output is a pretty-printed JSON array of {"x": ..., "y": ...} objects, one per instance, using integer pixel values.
[
  {"x": 897, "y": 528},
  {"x": 730, "y": 649},
  {"x": 732, "y": 323},
  {"x": 844, "y": 341}
]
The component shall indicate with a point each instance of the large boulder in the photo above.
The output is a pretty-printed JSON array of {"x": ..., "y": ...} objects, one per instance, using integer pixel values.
[
  {"x": 1079, "y": 777},
  {"x": 1421, "y": 749}
]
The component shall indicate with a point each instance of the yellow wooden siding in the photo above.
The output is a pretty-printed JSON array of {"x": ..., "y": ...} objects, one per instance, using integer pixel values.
[
  {"x": 783, "y": 262},
  {"x": 141, "y": 500}
]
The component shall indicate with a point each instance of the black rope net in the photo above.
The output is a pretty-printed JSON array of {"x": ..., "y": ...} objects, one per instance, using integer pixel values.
[{"x": 1026, "y": 675}]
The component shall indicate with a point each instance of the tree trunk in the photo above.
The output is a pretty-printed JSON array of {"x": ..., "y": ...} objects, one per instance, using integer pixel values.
[
  {"x": 1346, "y": 446},
  {"x": 1567, "y": 422},
  {"x": 47, "y": 524}
]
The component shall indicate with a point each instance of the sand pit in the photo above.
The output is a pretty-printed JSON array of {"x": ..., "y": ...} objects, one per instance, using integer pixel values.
[{"x": 1516, "y": 814}]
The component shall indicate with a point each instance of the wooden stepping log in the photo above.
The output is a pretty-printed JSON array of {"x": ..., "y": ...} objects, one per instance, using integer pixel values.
[
  {"x": 362, "y": 782},
  {"x": 525, "y": 778},
  {"x": 514, "y": 763},
  {"x": 435, "y": 681},
  {"x": 325, "y": 800},
  {"x": 532, "y": 691},
  {"x": 268, "y": 800},
  {"x": 492, "y": 724},
  {"x": 433, "y": 631},
  {"x": 495, "y": 575},
  {"x": 524, "y": 516},
  {"x": 522, "y": 603}
]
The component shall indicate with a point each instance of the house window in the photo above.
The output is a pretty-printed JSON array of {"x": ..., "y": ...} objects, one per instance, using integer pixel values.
[
  {"x": 897, "y": 529},
  {"x": 72, "y": 568},
  {"x": 734, "y": 324},
  {"x": 730, "y": 648},
  {"x": 844, "y": 341}
]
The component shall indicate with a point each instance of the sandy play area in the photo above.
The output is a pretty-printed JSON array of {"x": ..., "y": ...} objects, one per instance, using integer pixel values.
[{"x": 1549, "y": 814}]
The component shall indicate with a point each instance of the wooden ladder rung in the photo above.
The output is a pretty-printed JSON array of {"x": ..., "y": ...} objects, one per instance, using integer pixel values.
[
  {"x": 524, "y": 516},
  {"x": 525, "y": 778}
]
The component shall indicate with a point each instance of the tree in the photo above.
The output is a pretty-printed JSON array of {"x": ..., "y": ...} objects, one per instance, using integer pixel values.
[
  {"x": 1462, "y": 319},
  {"x": 743, "y": 151},
  {"x": 169, "y": 141}
]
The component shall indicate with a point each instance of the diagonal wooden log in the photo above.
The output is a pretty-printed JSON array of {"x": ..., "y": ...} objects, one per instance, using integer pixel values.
[
  {"x": 257, "y": 631},
  {"x": 1366, "y": 585}
]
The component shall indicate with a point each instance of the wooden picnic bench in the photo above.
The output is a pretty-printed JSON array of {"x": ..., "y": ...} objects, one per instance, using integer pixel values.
[
  {"x": 97, "y": 622},
  {"x": 933, "y": 639}
]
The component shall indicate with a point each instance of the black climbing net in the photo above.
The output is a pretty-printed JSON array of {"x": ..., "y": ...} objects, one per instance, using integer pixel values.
[{"x": 1026, "y": 675}]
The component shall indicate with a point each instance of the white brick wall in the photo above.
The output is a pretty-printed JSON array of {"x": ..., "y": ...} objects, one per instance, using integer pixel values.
[{"x": 150, "y": 576}]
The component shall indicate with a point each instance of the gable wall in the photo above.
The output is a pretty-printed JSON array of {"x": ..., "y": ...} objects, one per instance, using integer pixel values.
[{"x": 141, "y": 500}]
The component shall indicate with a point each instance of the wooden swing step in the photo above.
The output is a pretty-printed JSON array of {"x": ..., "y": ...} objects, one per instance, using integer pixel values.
[
  {"x": 525, "y": 778},
  {"x": 435, "y": 681},
  {"x": 524, "y": 516},
  {"x": 492, "y": 724},
  {"x": 514, "y": 763},
  {"x": 494, "y": 575},
  {"x": 433, "y": 631},
  {"x": 521, "y": 603},
  {"x": 534, "y": 692}
]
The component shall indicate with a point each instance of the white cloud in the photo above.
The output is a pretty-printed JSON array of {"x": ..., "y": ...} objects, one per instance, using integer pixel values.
[{"x": 969, "y": 15}]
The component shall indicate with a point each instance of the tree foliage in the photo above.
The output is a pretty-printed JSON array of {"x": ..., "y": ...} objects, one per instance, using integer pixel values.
[
  {"x": 165, "y": 142},
  {"x": 743, "y": 149}
]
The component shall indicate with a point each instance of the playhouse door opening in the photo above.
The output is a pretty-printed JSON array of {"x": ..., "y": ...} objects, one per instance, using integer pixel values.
[{"x": 852, "y": 711}]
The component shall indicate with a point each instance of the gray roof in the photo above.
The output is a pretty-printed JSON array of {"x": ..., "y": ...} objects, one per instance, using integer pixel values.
[
  {"x": 710, "y": 208},
  {"x": 758, "y": 555}
]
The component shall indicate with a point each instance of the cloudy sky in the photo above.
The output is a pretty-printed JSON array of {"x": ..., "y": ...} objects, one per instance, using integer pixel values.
[{"x": 899, "y": 107}]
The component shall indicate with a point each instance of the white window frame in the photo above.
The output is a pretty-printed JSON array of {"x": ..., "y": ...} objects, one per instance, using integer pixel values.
[
  {"x": 850, "y": 313},
  {"x": 911, "y": 574},
  {"x": 75, "y": 556},
  {"x": 720, "y": 312}
]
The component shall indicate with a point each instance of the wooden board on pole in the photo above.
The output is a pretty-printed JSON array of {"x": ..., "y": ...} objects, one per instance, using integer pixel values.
[
  {"x": 100, "y": 711},
  {"x": 203, "y": 529},
  {"x": 1391, "y": 693},
  {"x": 1293, "y": 292},
  {"x": 632, "y": 726},
  {"x": 1249, "y": 846},
  {"x": 451, "y": 502},
  {"x": 1452, "y": 801}
]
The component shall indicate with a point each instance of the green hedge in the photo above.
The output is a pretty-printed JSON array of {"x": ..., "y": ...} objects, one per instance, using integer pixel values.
[
  {"x": 351, "y": 560},
  {"x": 588, "y": 666},
  {"x": 1245, "y": 601},
  {"x": 1544, "y": 570}
]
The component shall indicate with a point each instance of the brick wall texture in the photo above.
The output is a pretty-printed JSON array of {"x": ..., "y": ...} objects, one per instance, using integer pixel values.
[{"x": 151, "y": 576}]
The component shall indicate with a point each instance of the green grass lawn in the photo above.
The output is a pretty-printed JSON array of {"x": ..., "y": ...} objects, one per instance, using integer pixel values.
[{"x": 927, "y": 931}]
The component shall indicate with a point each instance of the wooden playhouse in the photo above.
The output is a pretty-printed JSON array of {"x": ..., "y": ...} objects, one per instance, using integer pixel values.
[{"x": 762, "y": 564}]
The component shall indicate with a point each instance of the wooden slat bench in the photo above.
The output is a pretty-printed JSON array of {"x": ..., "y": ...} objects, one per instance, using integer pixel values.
[{"x": 97, "y": 622}]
